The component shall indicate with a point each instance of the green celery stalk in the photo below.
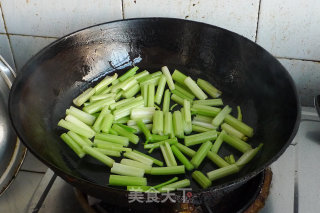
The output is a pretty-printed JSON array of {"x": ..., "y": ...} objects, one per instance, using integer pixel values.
[
  {"x": 150, "y": 77},
  {"x": 174, "y": 186},
  {"x": 157, "y": 138},
  {"x": 105, "y": 82},
  {"x": 111, "y": 153},
  {"x": 196, "y": 128},
  {"x": 223, "y": 172},
  {"x": 217, "y": 144},
  {"x": 129, "y": 129},
  {"x": 98, "y": 155},
  {"x": 181, "y": 95},
  {"x": 195, "y": 89},
  {"x": 77, "y": 122},
  {"x": 221, "y": 116},
  {"x": 144, "y": 94},
  {"x": 179, "y": 77},
  {"x": 98, "y": 105},
  {"x": 157, "y": 127},
  {"x": 142, "y": 113},
  {"x": 95, "y": 98},
  {"x": 209, "y": 88},
  {"x": 248, "y": 156},
  {"x": 166, "y": 183},
  {"x": 75, "y": 128},
  {"x": 167, "y": 74},
  {"x": 78, "y": 139},
  {"x": 160, "y": 89},
  {"x": 171, "y": 141},
  {"x": 182, "y": 158},
  {"x": 123, "y": 132},
  {"x": 177, "y": 124},
  {"x": 172, "y": 170},
  {"x": 138, "y": 157},
  {"x": 126, "y": 110},
  {"x": 151, "y": 88},
  {"x": 167, "y": 125},
  {"x": 240, "y": 126},
  {"x": 203, "y": 124},
  {"x": 236, "y": 143},
  {"x": 239, "y": 113},
  {"x": 144, "y": 129},
  {"x": 119, "y": 180},
  {"x": 210, "y": 102},
  {"x": 216, "y": 159},
  {"x": 155, "y": 161},
  {"x": 81, "y": 115},
  {"x": 140, "y": 75},
  {"x": 124, "y": 141},
  {"x": 98, "y": 123},
  {"x": 232, "y": 131},
  {"x": 184, "y": 91},
  {"x": 201, "y": 179},
  {"x": 187, "y": 117},
  {"x": 121, "y": 103},
  {"x": 83, "y": 97},
  {"x": 73, "y": 145},
  {"x": 107, "y": 122},
  {"x": 201, "y": 154},
  {"x": 205, "y": 110},
  {"x": 136, "y": 164},
  {"x": 200, "y": 138},
  {"x": 132, "y": 91},
  {"x": 185, "y": 150},
  {"x": 131, "y": 72},
  {"x": 122, "y": 169},
  {"x": 166, "y": 101}
]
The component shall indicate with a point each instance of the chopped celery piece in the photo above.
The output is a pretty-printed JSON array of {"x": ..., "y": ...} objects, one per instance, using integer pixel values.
[
  {"x": 201, "y": 154},
  {"x": 151, "y": 88},
  {"x": 248, "y": 156},
  {"x": 113, "y": 138},
  {"x": 132, "y": 91},
  {"x": 136, "y": 164},
  {"x": 138, "y": 157},
  {"x": 150, "y": 77},
  {"x": 167, "y": 124},
  {"x": 167, "y": 74},
  {"x": 126, "y": 110},
  {"x": 184, "y": 91},
  {"x": 142, "y": 113},
  {"x": 205, "y": 110},
  {"x": 171, "y": 141},
  {"x": 177, "y": 99},
  {"x": 185, "y": 150},
  {"x": 157, "y": 138},
  {"x": 160, "y": 89},
  {"x": 119, "y": 180},
  {"x": 125, "y": 133},
  {"x": 83, "y": 97},
  {"x": 181, "y": 95},
  {"x": 209, "y": 88},
  {"x": 236, "y": 143},
  {"x": 129, "y": 129},
  {"x": 166, "y": 183},
  {"x": 216, "y": 159},
  {"x": 221, "y": 116},
  {"x": 122, "y": 169},
  {"x": 167, "y": 154},
  {"x": 157, "y": 127},
  {"x": 178, "y": 77},
  {"x": 196, "y": 128},
  {"x": 140, "y": 75},
  {"x": 239, "y": 125},
  {"x": 195, "y": 89},
  {"x": 187, "y": 117},
  {"x": 155, "y": 161},
  {"x": 77, "y": 122},
  {"x": 111, "y": 153},
  {"x": 209, "y": 102},
  {"x": 121, "y": 103},
  {"x": 182, "y": 158},
  {"x": 73, "y": 145},
  {"x": 144, "y": 129},
  {"x": 222, "y": 172},
  {"x": 166, "y": 101},
  {"x": 95, "y": 98},
  {"x": 232, "y": 131},
  {"x": 105, "y": 82},
  {"x": 200, "y": 138},
  {"x": 174, "y": 186},
  {"x": 177, "y": 124},
  {"x": 144, "y": 94},
  {"x": 171, "y": 170},
  {"x": 217, "y": 144},
  {"x": 239, "y": 113},
  {"x": 78, "y": 139},
  {"x": 203, "y": 124},
  {"x": 98, "y": 155},
  {"x": 131, "y": 72},
  {"x": 201, "y": 179},
  {"x": 75, "y": 128},
  {"x": 107, "y": 122},
  {"x": 81, "y": 115},
  {"x": 98, "y": 105},
  {"x": 98, "y": 123}
]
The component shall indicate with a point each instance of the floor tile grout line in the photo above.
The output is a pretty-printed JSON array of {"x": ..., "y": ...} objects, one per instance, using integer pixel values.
[
  {"x": 38, "y": 36},
  {"x": 297, "y": 59},
  {"x": 10, "y": 45},
  {"x": 30, "y": 171},
  {"x": 258, "y": 19}
]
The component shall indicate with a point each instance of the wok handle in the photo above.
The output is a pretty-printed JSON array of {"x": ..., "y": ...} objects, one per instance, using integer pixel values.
[
  {"x": 6, "y": 72},
  {"x": 317, "y": 103}
]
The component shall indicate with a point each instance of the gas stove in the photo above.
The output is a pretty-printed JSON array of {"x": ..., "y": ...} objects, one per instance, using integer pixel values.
[{"x": 294, "y": 188}]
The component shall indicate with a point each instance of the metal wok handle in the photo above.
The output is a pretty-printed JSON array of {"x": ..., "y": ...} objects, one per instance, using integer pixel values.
[{"x": 6, "y": 72}]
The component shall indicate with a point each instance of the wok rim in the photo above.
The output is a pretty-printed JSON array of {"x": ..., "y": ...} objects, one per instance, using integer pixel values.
[{"x": 70, "y": 178}]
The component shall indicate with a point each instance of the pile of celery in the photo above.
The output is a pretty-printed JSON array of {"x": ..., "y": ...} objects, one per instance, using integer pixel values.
[{"x": 123, "y": 110}]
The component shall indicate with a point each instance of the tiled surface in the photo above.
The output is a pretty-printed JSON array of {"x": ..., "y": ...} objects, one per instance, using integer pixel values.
[
  {"x": 57, "y": 17},
  {"x": 18, "y": 195},
  {"x": 2, "y": 29},
  {"x": 234, "y": 15},
  {"x": 308, "y": 168},
  {"x": 226, "y": 14},
  {"x": 5, "y": 50},
  {"x": 290, "y": 28},
  {"x": 24, "y": 47},
  {"x": 306, "y": 75},
  {"x": 147, "y": 8},
  {"x": 282, "y": 185},
  {"x": 31, "y": 163}
]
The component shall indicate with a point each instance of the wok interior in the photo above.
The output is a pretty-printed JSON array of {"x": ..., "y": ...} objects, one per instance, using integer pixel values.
[{"x": 247, "y": 75}]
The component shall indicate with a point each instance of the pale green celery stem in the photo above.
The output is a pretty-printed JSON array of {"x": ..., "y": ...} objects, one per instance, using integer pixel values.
[
  {"x": 195, "y": 89},
  {"x": 138, "y": 157},
  {"x": 77, "y": 122},
  {"x": 123, "y": 132},
  {"x": 98, "y": 123},
  {"x": 248, "y": 156},
  {"x": 169, "y": 152},
  {"x": 131, "y": 72},
  {"x": 124, "y": 141},
  {"x": 177, "y": 124},
  {"x": 205, "y": 110},
  {"x": 81, "y": 115},
  {"x": 166, "y": 101},
  {"x": 144, "y": 94},
  {"x": 73, "y": 145},
  {"x": 136, "y": 164},
  {"x": 107, "y": 122},
  {"x": 132, "y": 91},
  {"x": 119, "y": 180},
  {"x": 125, "y": 111},
  {"x": 201, "y": 179},
  {"x": 157, "y": 144},
  {"x": 141, "y": 75},
  {"x": 105, "y": 82},
  {"x": 203, "y": 124},
  {"x": 75, "y": 128},
  {"x": 167, "y": 126},
  {"x": 209, "y": 88},
  {"x": 242, "y": 127},
  {"x": 232, "y": 131},
  {"x": 160, "y": 89},
  {"x": 186, "y": 150},
  {"x": 184, "y": 91},
  {"x": 134, "y": 122},
  {"x": 101, "y": 97},
  {"x": 154, "y": 81},
  {"x": 216, "y": 159},
  {"x": 157, "y": 127},
  {"x": 122, "y": 169},
  {"x": 221, "y": 116},
  {"x": 176, "y": 185},
  {"x": 151, "y": 89},
  {"x": 203, "y": 118},
  {"x": 155, "y": 161},
  {"x": 239, "y": 113},
  {"x": 209, "y": 102},
  {"x": 98, "y": 105},
  {"x": 120, "y": 103},
  {"x": 236, "y": 143},
  {"x": 217, "y": 144},
  {"x": 99, "y": 156},
  {"x": 187, "y": 117},
  {"x": 166, "y": 183},
  {"x": 142, "y": 113},
  {"x": 83, "y": 97},
  {"x": 222, "y": 172},
  {"x": 201, "y": 154},
  {"x": 171, "y": 170},
  {"x": 200, "y": 129},
  {"x": 200, "y": 138},
  {"x": 167, "y": 74},
  {"x": 111, "y": 153},
  {"x": 78, "y": 139},
  {"x": 179, "y": 76}
]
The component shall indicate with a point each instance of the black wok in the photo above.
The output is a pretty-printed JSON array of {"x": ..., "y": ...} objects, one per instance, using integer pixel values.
[{"x": 247, "y": 74}]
